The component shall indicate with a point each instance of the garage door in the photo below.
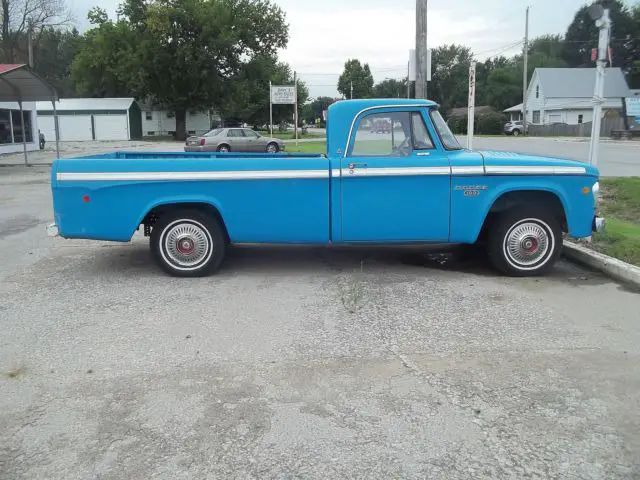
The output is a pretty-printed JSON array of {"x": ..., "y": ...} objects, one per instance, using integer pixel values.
[
  {"x": 111, "y": 127},
  {"x": 73, "y": 128}
]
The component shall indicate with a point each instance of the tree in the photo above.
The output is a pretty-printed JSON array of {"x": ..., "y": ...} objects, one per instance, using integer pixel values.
[
  {"x": 390, "y": 88},
  {"x": 53, "y": 54},
  {"x": 248, "y": 98},
  {"x": 18, "y": 16},
  {"x": 450, "y": 75},
  {"x": 357, "y": 75},
  {"x": 180, "y": 54},
  {"x": 313, "y": 111},
  {"x": 582, "y": 36}
]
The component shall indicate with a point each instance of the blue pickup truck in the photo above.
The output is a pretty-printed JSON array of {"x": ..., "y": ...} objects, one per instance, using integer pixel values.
[{"x": 410, "y": 183}]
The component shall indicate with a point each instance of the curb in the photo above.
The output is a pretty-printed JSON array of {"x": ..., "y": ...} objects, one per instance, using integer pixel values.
[{"x": 612, "y": 267}]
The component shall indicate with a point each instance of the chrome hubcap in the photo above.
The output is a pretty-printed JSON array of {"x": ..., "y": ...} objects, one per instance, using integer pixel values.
[
  {"x": 527, "y": 243},
  {"x": 271, "y": 148},
  {"x": 186, "y": 244}
]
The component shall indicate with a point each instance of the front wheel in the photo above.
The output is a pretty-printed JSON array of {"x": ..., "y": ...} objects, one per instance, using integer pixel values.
[
  {"x": 273, "y": 148},
  {"x": 516, "y": 133},
  {"x": 525, "y": 242},
  {"x": 188, "y": 243}
]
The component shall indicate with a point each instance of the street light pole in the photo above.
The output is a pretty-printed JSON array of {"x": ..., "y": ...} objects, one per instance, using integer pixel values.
[
  {"x": 601, "y": 16},
  {"x": 525, "y": 72}
]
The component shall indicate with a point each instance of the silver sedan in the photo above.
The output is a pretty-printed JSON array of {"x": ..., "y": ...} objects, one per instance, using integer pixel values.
[{"x": 233, "y": 140}]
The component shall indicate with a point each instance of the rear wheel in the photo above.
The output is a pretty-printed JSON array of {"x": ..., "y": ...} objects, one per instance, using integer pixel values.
[
  {"x": 224, "y": 148},
  {"x": 525, "y": 242},
  {"x": 188, "y": 243},
  {"x": 516, "y": 132},
  {"x": 273, "y": 148}
]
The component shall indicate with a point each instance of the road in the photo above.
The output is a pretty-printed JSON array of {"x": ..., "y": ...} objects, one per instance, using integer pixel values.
[{"x": 304, "y": 363}]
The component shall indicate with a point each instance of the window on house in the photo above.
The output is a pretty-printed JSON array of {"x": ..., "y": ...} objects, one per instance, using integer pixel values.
[
  {"x": 193, "y": 113},
  {"x": 148, "y": 115},
  {"x": 171, "y": 114},
  {"x": 580, "y": 118},
  {"x": 5, "y": 127},
  {"x": 536, "y": 116},
  {"x": 537, "y": 91}
]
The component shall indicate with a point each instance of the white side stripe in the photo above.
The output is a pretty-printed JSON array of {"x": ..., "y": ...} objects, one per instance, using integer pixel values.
[
  {"x": 395, "y": 172},
  {"x": 335, "y": 172},
  {"x": 179, "y": 176},
  {"x": 472, "y": 170},
  {"x": 534, "y": 170}
]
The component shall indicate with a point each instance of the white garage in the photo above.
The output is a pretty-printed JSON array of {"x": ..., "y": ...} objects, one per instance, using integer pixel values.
[{"x": 86, "y": 119}]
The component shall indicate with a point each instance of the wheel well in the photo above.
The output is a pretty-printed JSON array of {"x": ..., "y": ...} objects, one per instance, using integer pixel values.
[
  {"x": 155, "y": 213},
  {"x": 224, "y": 145},
  {"x": 537, "y": 198}
]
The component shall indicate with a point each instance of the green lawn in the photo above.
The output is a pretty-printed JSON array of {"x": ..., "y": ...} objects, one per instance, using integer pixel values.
[
  {"x": 620, "y": 206},
  {"x": 307, "y": 147},
  {"x": 290, "y": 135}
]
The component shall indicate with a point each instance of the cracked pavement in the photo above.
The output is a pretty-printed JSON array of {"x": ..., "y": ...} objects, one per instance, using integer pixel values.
[{"x": 304, "y": 363}]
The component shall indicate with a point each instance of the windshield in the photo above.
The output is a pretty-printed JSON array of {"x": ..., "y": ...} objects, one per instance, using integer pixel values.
[
  {"x": 449, "y": 140},
  {"x": 213, "y": 133}
]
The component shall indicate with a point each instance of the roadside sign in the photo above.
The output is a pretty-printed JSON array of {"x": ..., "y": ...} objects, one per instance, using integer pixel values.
[
  {"x": 283, "y": 94},
  {"x": 633, "y": 106}
]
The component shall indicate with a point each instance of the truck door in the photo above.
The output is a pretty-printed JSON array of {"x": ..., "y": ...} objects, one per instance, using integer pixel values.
[{"x": 396, "y": 181}]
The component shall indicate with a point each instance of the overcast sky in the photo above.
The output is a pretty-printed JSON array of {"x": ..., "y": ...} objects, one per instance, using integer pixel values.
[{"x": 325, "y": 33}]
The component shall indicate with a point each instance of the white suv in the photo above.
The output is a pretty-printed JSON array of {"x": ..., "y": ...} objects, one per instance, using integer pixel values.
[{"x": 514, "y": 128}]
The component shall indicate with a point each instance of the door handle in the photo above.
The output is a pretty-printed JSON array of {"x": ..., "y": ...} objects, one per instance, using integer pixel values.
[{"x": 357, "y": 165}]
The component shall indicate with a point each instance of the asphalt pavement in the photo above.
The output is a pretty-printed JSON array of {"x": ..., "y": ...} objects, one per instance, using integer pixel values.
[
  {"x": 304, "y": 363},
  {"x": 617, "y": 158}
]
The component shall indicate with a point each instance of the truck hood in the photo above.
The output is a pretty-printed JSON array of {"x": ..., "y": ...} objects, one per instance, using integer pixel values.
[{"x": 504, "y": 160}]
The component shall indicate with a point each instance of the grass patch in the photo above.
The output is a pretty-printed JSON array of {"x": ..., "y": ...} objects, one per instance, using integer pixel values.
[
  {"x": 307, "y": 147},
  {"x": 620, "y": 205},
  {"x": 290, "y": 135}
]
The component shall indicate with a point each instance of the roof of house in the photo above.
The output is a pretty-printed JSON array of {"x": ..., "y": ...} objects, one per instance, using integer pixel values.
[
  {"x": 515, "y": 108},
  {"x": 87, "y": 104},
  {"x": 580, "y": 82},
  {"x": 462, "y": 111}
]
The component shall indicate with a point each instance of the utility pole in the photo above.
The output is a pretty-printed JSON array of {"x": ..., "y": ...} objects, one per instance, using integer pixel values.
[
  {"x": 421, "y": 48},
  {"x": 30, "y": 43},
  {"x": 351, "y": 89},
  {"x": 601, "y": 17},
  {"x": 295, "y": 115},
  {"x": 525, "y": 72},
  {"x": 471, "y": 106}
]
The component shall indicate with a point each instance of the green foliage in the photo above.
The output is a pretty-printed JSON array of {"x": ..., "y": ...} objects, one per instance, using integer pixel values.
[
  {"x": 53, "y": 53},
  {"x": 450, "y": 74},
  {"x": 184, "y": 55},
  {"x": 312, "y": 112},
  {"x": 487, "y": 123},
  {"x": 357, "y": 75},
  {"x": 390, "y": 88}
]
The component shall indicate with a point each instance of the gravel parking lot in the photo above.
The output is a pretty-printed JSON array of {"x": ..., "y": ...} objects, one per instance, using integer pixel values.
[{"x": 304, "y": 363}]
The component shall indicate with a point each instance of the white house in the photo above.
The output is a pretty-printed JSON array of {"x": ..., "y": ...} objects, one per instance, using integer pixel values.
[
  {"x": 565, "y": 95},
  {"x": 161, "y": 122},
  {"x": 11, "y": 127}
]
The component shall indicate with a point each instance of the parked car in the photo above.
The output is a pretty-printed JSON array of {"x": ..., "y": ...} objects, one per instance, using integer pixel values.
[
  {"x": 233, "y": 140},
  {"x": 514, "y": 128},
  {"x": 418, "y": 187}
]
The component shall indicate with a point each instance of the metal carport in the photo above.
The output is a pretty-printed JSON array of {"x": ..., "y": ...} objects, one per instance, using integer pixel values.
[{"x": 19, "y": 83}]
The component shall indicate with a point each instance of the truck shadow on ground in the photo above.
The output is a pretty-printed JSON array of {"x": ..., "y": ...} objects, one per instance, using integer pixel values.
[{"x": 136, "y": 259}]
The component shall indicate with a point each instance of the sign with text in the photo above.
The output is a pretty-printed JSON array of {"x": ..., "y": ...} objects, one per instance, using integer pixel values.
[
  {"x": 633, "y": 106},
  {"x": 283, "y": 94}
]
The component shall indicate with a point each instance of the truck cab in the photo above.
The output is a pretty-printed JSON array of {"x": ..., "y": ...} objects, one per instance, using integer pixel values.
[{"x": 393, "y": 173}]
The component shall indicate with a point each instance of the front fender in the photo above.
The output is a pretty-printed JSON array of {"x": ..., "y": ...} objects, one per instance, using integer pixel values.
[{"x": 469, "y": 212}]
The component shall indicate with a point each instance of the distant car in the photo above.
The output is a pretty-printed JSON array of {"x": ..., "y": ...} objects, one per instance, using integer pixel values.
[
  {"x": 233, "y": 140},
  {"x": 514, "y": 128}
]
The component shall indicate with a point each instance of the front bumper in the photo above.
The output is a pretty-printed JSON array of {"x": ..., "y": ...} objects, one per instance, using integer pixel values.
[{"x": 598, "y": 224}]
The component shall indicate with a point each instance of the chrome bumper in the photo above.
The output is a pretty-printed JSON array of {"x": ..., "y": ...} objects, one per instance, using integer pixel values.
[
  {"x": 52, "y": 230},
  {"x": 598, "y": 224}
]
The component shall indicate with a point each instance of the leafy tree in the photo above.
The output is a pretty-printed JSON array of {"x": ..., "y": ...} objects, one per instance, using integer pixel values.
[
  {"x": 248, "y": 97},
  {"x": 390, "y": 88},
  {"x": 449, "y": 84},
  {"x": 582, "y": 36},
  {"x": 53, "y": 54},
  {"x": 313, "y": 111},
  {"x": 359, "y": 76},
  {"x": 183, "y": 55}
]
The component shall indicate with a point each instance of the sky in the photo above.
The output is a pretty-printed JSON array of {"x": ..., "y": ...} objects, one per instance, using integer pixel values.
[{"x": 324, "y": 34}]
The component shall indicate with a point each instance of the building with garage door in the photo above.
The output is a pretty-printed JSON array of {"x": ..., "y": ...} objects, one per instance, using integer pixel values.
[{"x": 84, "y": 119}]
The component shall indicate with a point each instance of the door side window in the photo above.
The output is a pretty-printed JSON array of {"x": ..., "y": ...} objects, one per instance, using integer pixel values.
[
  {"x": 383, "y": 134},
  {"x": 250, "y": 134},
  {"x": 235, "y": 133},
  {"x": 421, "y": 138}
]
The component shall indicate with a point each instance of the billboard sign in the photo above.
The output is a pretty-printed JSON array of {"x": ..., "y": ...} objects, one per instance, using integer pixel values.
[{"x": 283, "y": 94}]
